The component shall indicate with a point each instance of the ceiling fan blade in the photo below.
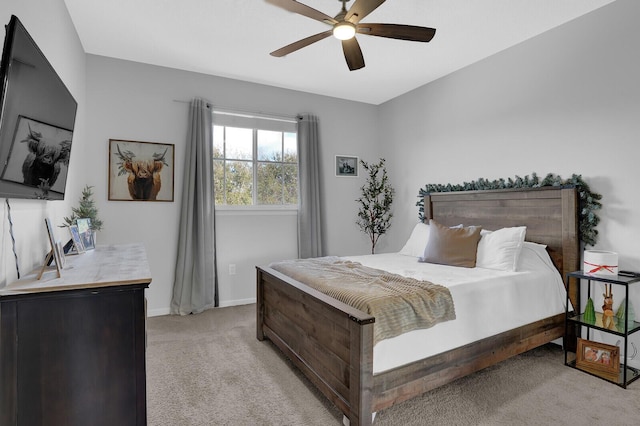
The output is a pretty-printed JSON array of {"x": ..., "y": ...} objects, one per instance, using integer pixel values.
[
  {"x": 303, "y": 9},
  {"x": 300, "y": 44},
  {"x": 401, "y": 32},
  {"x": 353, "y": 54},
  {"x": 362, "y": 8}
]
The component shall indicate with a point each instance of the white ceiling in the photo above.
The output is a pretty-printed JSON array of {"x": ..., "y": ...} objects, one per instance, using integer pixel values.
[{"x": 233, "y": 38}]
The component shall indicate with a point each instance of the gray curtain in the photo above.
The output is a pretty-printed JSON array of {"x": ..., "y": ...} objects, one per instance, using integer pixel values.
[
  {"x": 309, "y": 217},
  {"x": 195, "y": 286}
]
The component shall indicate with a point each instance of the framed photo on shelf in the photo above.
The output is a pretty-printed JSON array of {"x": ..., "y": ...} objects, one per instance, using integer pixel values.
[
  {"x": 598, "y": 358},
  {"x": 346, "y": 166},
  {"x": 78, "y": 247},
  {"x": 140, "y": 171},
  {"x": 87, "y": 235}
]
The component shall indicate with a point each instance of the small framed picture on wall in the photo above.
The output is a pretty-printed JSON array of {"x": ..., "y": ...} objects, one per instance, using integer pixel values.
[{"x": 346, "y": 166}]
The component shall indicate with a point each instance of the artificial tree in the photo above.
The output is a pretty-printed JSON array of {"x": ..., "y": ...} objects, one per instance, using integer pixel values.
[
  {"x": 86, "y": 209},
  {"x": 374, "y": 214}
]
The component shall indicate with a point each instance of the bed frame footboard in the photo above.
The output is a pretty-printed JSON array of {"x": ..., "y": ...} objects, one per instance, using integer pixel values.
[
  {"x": 329, "y": 341},
  {"x": 332, "y": 344}
]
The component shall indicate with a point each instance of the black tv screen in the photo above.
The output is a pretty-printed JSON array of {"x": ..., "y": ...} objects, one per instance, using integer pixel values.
[{"x": 37, "y": 118}]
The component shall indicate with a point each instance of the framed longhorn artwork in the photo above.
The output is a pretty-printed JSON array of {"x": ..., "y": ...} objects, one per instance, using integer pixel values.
[{"x": 140, "y": 171}]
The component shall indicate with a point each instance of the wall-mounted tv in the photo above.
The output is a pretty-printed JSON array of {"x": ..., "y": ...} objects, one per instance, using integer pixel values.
[{"x": 37, "y": 118}]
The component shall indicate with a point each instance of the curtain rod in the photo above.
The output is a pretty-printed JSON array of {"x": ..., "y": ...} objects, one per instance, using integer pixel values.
[{"x": 260, "y": 114}]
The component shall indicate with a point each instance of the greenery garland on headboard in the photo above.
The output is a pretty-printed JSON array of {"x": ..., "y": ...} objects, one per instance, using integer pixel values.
[{"x": 589, "y": 200}]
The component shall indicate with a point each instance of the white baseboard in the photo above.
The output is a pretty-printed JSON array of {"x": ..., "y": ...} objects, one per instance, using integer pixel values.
[
  {"x": 158, "y": 312},
  {"x": 228, "y": 303},
  {"x": 166, "y": 311}
]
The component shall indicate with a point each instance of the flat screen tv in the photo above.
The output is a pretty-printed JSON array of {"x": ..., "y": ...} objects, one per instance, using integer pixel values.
[{"x": 37, "y": 118}]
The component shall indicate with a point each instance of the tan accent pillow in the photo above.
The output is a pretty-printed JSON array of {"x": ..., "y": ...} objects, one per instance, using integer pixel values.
[{"x": 452, "y": 246}]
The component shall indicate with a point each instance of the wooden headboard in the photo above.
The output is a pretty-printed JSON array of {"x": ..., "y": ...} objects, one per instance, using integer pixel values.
[{"x": 550, "y": 215}]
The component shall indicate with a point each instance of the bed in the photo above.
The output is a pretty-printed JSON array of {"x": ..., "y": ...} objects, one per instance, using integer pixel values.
[{"x": 332, "y": 343}]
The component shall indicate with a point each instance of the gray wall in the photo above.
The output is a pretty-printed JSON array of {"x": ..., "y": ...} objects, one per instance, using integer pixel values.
[
  {"x": 50, "y": 26},
  {"x": 567, "y": 101},
  {"x": 132, "y": 101},
  {"x": 564, "y": 102}
]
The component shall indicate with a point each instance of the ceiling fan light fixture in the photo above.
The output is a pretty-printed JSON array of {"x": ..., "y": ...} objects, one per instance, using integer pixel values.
[
  {"x": 344, "y": 30},
  {"x": 345, "y": 25}
]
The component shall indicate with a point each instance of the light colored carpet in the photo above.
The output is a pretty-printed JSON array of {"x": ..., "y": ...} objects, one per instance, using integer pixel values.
[{"x": 209, "y": 369}]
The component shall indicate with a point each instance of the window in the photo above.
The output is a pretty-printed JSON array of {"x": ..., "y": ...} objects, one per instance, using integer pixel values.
[{"x": 255, "y": 161}]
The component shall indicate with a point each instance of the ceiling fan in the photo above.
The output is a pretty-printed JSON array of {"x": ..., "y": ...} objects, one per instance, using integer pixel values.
[{"x": 345, "y": 26}]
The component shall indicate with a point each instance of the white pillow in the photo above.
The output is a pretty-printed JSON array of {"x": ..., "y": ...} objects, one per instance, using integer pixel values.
[
  {"x": 417, "y": 241},
  {"x": 533, "y": 257},
  {"x": 500, "y": 249}
]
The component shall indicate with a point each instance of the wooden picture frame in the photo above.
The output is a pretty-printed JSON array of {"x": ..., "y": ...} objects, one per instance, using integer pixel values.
[
  {"x": 54, "y": 254},
  {"x": 141, "y": 171},
  {"x": 346, "y": 166},
  {"x": 598, "y": 358}
]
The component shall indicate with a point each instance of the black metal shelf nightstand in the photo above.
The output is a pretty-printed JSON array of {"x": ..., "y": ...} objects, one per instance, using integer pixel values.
[{"x": 623, "y": 328}]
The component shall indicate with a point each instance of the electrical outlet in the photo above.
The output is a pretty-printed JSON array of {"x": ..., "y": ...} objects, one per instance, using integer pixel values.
[{"x": 232, "y": 269}]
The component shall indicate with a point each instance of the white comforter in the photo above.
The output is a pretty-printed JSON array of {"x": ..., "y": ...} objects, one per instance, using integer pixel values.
[{"x": 487, "y": 302}]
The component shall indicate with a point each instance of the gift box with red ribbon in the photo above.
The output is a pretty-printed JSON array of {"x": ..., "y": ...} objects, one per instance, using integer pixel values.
[{"x": 600, "y": 263}]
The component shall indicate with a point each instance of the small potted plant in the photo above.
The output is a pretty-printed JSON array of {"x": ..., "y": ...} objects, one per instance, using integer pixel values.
[{"x": 87, "y": 209}]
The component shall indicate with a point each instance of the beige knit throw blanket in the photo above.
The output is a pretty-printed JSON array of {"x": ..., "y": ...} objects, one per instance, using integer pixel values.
[{"x": 399, "y": 304}]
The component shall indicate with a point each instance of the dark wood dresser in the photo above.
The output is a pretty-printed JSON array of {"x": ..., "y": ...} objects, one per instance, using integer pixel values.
[{"x": 72, "y": 349}]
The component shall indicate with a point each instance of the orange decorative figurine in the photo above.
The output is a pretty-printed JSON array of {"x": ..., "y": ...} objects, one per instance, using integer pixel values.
[{"x": 607, "y": 308}]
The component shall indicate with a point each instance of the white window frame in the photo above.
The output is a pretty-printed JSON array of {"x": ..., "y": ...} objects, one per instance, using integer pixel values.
[{"x": 257, "y": 122}]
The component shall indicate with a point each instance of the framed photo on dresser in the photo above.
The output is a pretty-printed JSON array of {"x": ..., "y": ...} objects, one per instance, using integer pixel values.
[
  {"x": 78, "y": 247},
  {"x": 55, "y": 255},
  {"x": 87, "y": 235}
]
